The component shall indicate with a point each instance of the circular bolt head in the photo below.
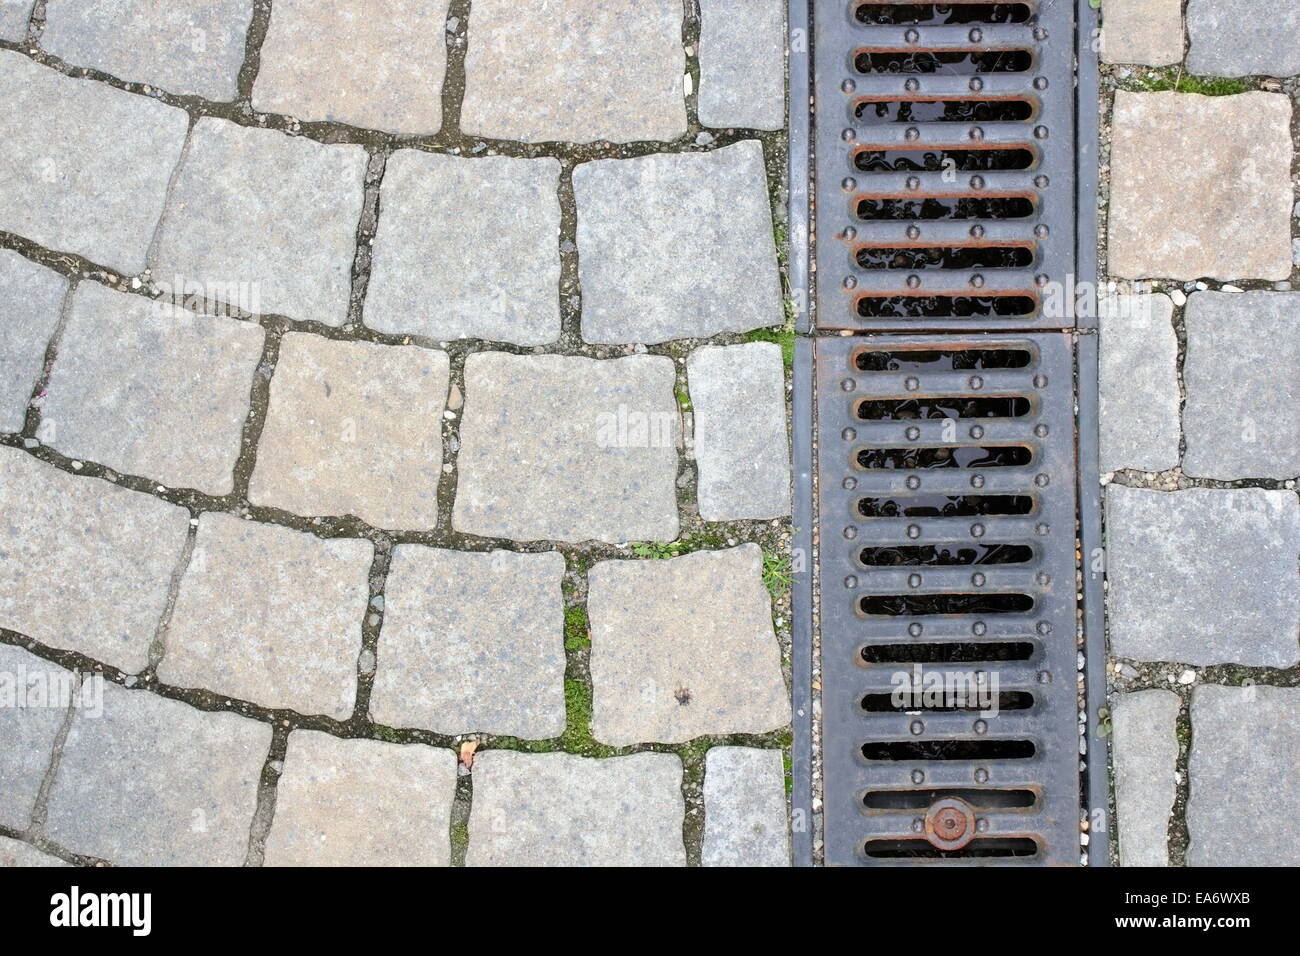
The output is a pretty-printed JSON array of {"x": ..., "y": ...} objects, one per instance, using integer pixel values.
[{"x": 913, "y": 482}]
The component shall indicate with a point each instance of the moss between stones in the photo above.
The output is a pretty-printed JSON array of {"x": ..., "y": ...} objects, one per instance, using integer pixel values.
[{"x": 1175, "y": 80}]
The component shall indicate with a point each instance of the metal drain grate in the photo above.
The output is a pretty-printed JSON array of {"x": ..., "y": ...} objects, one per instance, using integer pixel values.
[
  {"x": 947, "y": 505},
  {"x": 945, "y": 163}
]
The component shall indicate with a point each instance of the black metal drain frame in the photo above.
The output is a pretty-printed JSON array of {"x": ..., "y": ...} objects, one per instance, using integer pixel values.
[{"x": 829, "y": 626}]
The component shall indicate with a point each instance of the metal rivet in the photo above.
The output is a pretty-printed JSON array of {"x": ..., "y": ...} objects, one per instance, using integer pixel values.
[
  {"x": 848, "y": 86},
  {"x": 976, "y": 133},
  {"x": 848, "y": 384},
  {"x": 849, "y": 434},
  {"x": 911, "y": 133},
  {"x": 850, "y": 483},
  {"x": 1041, "y": 430},
  {"x": 913, "y": 183},
  {"x": 913, "y": 482},
  {"x": 911, "y": 36},
  {"x": 977, "y": 231},
  {"x": 1041, "y": 280},
  {"x": 1044, "y": 677},
  {"x": 912, "y": 85},
  {"x": 917, "y": 728},
  {"x": 851, "y": 582},
  {"x": 975, "y": 382},
  {"x": 1040, "y": 132},
  {"x": 849, "y": 232},
  {"x": 977, "y": 281},
  {"x": 1040, "y": 380},
  {"x": 980, "y": 727},
  {"x": 981, "y": 775},
  {"x": 1040, "y": 82},
  {"x": 849, "y": 184},
  {"x": 977, "y": 481},
  {"x": 913, "y": 232},
  {"x": 977, "y": 182},
  {"x": 1041, "y": 182},
  {"x": 918, "y": 776},
  {"x": 1043, "y": 578},
  {"x": 850, "y": 282},
  {"x": 982, "y": 825},
  {"x": 977, "y": 431},
  {"x": 849, "y": 135},
  {"x": 977, "y": 579},
  {"x": 1041, "y": 230},
  {"x": 913, "y": 281},
  {"x": 977, "y": 84},
  {"x": 977, "y": 530},
  {"x": 912, "y": 384},
  {"x": 913, "y": 531},
  {"x": 850, "y": 533},
  {"x": 1040, "y": 33},
  {"x": 914, "y": 629},
  {"x": 914, "y": 580},
  {"x": 1042, "y": 529},
  {"x": 1042, "y": 480},
  {"x": 976, "y": 35},
  {"x": 1044, "y": 627},
  {"x": 918, "y": 825},
  {"x": 913, "y": 433},
  {"x": 979, "y": 628}
]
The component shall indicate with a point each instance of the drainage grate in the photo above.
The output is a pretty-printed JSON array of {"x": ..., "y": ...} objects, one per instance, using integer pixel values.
[
  {"x": 945, "y": 164},
  {"x": 946, "y": 469}
]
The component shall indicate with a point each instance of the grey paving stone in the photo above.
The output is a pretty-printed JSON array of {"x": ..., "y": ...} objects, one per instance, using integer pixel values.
[
  {"x": 1203, "y": 576},
  {"x": 472, "y": 642},
  {"x": 34, "y": 700},
  {"x": 1243, "y": 37},
  {"x": 745, "y": 822},
  {"x": 361, "y": 803},
  {"x": 675, "y": 246},
  {"x": 86, "y": 165},
  {"x": 683, "y": 647},
  {"x": 467, "y": 248},
  {"x": 155, "y": 782},
  {"x": 1218, "y": 203},
  {"x": 558, "y": 809},
  {"x": 261, "y": 209},
  {"x": 1149, "y": 32},
  {"x": 190, "y": 46},
  {"x": 270, "y": 615},
  {"x": 15, "y": 853},
  {"x": 385, "y": 74},
  {"x": 353, "y": 428},
  {"x": 30, "y": 299},
  {"x": 1138, "y": 383},
  {"x": 575, "y": 71},
  {"x": 151, "y": 389},
  {"x": 742, "y": 63},
  {"x": 1244, "y": 776},
  {"x": 13, "y": 18},
  {"x": 738, "y": 397},
  {"x": 85, "y": 564},
  {"x": 569, "y": 449},
  {"x": 1242, "y": 417},
  {"x": 1145, "y": 754}
]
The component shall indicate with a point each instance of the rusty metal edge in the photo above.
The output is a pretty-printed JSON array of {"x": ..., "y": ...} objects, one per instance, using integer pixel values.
[
  {"x": 799, "y": 170},
  {"x": 1087, "y": 137}
]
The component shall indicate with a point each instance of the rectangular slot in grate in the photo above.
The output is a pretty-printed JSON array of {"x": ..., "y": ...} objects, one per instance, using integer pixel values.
[
  {"x": 946, "y": 469},
  {"x": 945, "y": 176}
]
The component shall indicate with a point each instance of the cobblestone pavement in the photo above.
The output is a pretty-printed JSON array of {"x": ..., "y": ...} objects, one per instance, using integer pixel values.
[
  {"x": 393, "y": 454},
  {"x": 1201, "y": 427}
]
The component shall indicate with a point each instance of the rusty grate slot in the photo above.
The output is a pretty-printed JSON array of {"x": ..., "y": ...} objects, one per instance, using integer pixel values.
[
  {"x": 947, "y": 562},
  {"x": 945, "y": 163}
]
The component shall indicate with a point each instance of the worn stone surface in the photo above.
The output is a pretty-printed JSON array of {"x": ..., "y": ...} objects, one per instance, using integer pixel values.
[
  {"x": 150, "y": 389},
  {"x": 472, "y": 642},
  {"x": 1138, "y": 383},
  {"x": 15, "y": 853},
  {"x": 467, "y": 248},
  {"x": 155, "y": 782},
  {"x": 32, "y": 709},
  {"x": 354, "y": 428},
  {"x": 361, "y": 803},
  {"x": 86, "y": 165},
  {"x": 1244, "y": 776},
  {"x": 676, "y": 246},
  {"x": 738, "y": 397},
  {"x": 85, "y": 563},
  {"x": 568, "y": 448},
  {"x": 372, "y": 63},
  {"x": 1203, "y": 576},
  {"x": 1145, "y": 749},
  {"x": 575, "y": 71},
  {"x": 1243, "y": 37},
  {"x": 274, "y": 212},
  {"x": 1149, "y": 32},
  {"x": 13, "y": 18},
  {"x": 558, "y": 809},
  {"x": 683, "y": 647},
  {"x": 1242, "y": 417},
  {"x": 1218, "y": 203},
  {"x": 270, "y": 615},
  {"x": 191, "y": 46},
  {"x": 30, "y": 299},
  {"x": 742, "y": 63},
  {"x": 745, "y": 822}
]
